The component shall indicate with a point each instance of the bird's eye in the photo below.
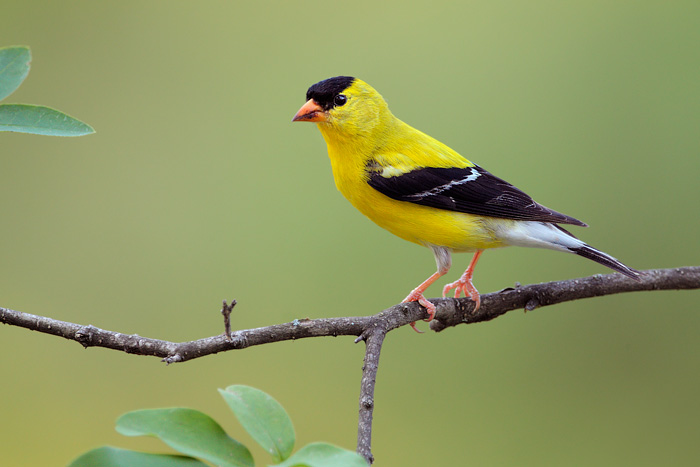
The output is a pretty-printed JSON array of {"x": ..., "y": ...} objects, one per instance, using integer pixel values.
[{"x": 340, "y": 100}]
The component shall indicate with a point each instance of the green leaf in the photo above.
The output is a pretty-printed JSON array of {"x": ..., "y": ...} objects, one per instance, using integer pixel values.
[
  {"x": 107, "y": 456},
  {"x": 324, "y": 455},
  {"x": 263, "y": 417},
  {"x": 14, "y": 67},
  {"x": 40, "y": 120},
  {"x": 189, "y": 431}
]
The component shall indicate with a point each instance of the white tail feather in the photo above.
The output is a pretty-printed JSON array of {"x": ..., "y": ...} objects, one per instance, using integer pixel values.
[{"x": 550, "y": 236}]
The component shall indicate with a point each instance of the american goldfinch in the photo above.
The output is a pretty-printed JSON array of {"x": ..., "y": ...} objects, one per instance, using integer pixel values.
[{"x": 424, "y": 192}]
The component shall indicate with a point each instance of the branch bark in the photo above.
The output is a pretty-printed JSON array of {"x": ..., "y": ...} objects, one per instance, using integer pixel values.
[
  {"x": 371, "y": 329},
  {"x": 373, "y": 337}
]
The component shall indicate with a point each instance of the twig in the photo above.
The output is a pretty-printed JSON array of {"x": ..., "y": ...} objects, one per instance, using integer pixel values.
[
  {"x": 226, "y": 310},
  {"x": 371, "y": 329}
]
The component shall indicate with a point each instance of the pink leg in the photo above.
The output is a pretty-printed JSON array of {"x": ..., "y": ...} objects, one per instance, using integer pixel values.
[
  {"x": 417, "y": 296},
  {"x": 464, "y": 284}
]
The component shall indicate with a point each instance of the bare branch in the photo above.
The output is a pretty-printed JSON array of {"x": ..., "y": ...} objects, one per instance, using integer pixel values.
[
  {"x": 534, "y": 296},
  {"x": 450, "y": 312},
  {"x": 371, "y": 329},
  {"x": 373, "y": 337}
]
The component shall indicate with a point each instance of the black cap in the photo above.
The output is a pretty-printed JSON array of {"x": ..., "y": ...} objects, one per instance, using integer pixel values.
[{"x": 325, "y": 91}]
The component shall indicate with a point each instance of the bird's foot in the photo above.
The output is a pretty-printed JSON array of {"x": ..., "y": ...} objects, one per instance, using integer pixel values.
[
  {"x": 464, "y": 286},
  {"x": 417, "y": 296}
]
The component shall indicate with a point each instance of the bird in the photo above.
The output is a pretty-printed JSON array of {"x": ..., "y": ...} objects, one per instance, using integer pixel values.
[{"x": 422, "y": 191}]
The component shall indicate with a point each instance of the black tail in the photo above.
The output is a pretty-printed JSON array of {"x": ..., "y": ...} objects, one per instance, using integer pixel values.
[{"x": 606, "y": 260}]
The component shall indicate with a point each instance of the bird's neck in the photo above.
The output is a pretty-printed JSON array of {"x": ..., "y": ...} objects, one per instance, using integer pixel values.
[
  {"x": 361, "y": 139},
  {"x": 351, "y": 152}
]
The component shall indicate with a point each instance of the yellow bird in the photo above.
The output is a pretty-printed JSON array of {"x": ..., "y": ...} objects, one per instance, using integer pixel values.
[{"x": 424, "y": 192}]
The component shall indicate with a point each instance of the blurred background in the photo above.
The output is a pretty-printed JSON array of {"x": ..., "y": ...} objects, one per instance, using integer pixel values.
[{"x": 197, "y": 187}]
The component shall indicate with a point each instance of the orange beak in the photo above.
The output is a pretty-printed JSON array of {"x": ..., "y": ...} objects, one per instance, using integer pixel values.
[{"x": 310, "y": 112}]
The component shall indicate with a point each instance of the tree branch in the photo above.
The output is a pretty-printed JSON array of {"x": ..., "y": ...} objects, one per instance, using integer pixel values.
[
  {"x": 534, "y": 296},
  {"x": 373, "y": 337},
  {"x": 450, "y": 312},
  {"x": 371, "y": 329}
]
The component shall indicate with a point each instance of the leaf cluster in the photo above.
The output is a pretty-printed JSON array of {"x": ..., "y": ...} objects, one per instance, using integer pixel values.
[
  {"x": 201, "y": 439},
  {"x": 29, "y": 118}
]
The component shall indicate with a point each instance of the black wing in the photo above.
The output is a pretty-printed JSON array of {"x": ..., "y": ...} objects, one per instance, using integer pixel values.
[{"x": 472, "y": 190}]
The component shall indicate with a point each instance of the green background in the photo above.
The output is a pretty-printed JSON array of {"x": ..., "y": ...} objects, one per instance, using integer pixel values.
[{"x": 197, "y": 187}]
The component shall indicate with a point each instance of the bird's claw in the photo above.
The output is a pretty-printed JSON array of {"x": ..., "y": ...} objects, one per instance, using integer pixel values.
[
  {"x": 417, "y": 296},
  {"x": 464, "y": 286}
]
